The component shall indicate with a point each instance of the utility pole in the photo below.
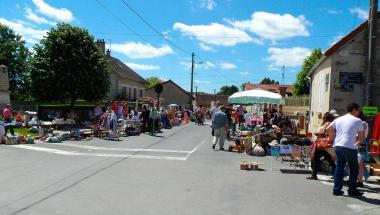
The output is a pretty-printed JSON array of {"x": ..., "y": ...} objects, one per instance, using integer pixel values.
[
  {"x": 192, "y": 76},
  {"x": 283, "y": 75},
  {"x": 214, "y": 97},
  {"x": 196, "y": 95},
  {"x": 371, "y": 51}
]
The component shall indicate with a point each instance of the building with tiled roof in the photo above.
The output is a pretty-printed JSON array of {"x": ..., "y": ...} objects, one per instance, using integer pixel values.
[
  {"x": 282, "y": 89},
  {"x": 125, "y": 82},
  {"x": 340, "y": 76}
]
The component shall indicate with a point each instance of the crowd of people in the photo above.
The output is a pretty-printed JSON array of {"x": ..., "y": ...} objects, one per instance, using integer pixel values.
[
  {"x": 342, "y": 142},
  {"x": 226, "y": 119}
]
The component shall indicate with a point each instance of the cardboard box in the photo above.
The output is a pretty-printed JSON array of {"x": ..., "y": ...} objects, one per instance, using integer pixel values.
[{"x": 376, "y": 172}]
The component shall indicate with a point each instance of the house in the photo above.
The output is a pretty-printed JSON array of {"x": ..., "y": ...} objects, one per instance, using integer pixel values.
[
  {"x": 172, "y": 94},
  {"x": 125, "y": 82},
  {"x": 209, "y": 100},
  {"x": 282, "y": 89},
  {"x": 4, "y": 86},
  {"x": 339, "y": 77}
]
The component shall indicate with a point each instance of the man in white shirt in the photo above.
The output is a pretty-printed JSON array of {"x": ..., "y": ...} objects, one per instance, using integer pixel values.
[{"x": 347, "y": 133}]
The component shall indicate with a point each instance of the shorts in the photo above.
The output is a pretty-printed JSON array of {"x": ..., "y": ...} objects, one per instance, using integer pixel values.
[{"x": 241, "y": 119}]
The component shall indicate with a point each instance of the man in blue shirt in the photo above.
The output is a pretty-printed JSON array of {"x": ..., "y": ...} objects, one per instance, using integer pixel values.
[{"x": 220, "y": 127}]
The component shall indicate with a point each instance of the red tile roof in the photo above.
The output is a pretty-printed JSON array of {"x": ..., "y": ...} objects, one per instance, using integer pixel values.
[
  {"x": 270, "y": 87},
  {"x": 346, "y": 39}
]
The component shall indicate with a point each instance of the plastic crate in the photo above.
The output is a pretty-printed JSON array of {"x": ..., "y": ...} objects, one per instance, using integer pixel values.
[{"x": 375, "y": 149}]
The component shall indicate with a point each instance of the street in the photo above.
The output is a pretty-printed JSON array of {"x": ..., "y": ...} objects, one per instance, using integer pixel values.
[{"x": 175, "y": 172}]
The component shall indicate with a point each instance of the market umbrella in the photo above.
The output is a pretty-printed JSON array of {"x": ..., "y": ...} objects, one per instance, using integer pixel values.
[{"x": 255, "y": 97}]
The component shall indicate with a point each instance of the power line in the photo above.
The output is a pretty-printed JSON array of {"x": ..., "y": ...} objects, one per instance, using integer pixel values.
[
  {"x": 154, "y": 29},
  {"x": 141, "y": 37},
  {"x": 205, "y": 36}
]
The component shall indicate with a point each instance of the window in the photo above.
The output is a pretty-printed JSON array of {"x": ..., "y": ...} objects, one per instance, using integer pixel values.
[
  {"x": 327, "y": 81},
  {"x": 129, "y": 92},
  {"x": 123, "y": 92},
  {"x": 134, "y": 93},
  {"x": 141, "y": 92}
]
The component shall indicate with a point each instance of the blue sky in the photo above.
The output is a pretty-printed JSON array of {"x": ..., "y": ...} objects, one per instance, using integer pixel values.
[{"x": 234, "y": 41}]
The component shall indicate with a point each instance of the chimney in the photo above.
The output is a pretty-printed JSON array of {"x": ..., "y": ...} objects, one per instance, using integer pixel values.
[
  {"x": 101, "y": 44},
  {"x": 108, "y": 53}
]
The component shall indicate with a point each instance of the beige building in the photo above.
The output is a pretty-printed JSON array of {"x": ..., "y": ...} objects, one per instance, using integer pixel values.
[
  {"x": 339, "y": 77},
  {"x": 172, "y": 94},
  {"x": 4, "y": 86},
  {"x": 125, "y": 82}
]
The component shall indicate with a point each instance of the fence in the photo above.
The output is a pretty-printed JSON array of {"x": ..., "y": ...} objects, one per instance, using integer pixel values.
[{"x": 297, "y": 101}]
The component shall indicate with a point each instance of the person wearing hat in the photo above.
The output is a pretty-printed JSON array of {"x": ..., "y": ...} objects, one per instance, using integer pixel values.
[
  {"x": 334, "y": 113},
  {"x": 7, "y": 115}
]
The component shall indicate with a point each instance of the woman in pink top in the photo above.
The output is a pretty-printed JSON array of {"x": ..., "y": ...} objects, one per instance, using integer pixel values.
[{"x": 7, "y": 115}]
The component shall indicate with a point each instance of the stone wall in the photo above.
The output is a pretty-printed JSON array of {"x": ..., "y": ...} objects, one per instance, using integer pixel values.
[{"x": 4, "y": 86}]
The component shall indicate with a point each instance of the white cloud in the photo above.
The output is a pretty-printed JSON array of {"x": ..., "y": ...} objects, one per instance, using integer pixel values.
[
  {"x": 30, "y": 35},
  {"x": 274, "y": 26},
  {"x": 201, "y": 65},
  {"x": 205, "y": 47},
  {"x": 258, "y": 41},
  {"x": 288, "y": 57},
  {"x": 334, "y": 12},
  {"x": 226, "y": 65},
  {"x": 209, "y": 4},
  {"x": 61, "y": 14},
  {"x": 141, "y": 50},
  {"x": 202, "y": 82},
  {"x": 141, "y": 67},
  {"x": 29, "y": 14},
  {"x": 215, "y": 34},
  {"x": 244, "y": 73},
  {"x": 336, "y": 39},
  {"x": 361, "y": 13}
]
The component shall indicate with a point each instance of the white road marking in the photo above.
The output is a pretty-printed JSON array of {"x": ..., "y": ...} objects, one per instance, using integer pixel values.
[
  {"x": 123, "y": 149},
  {"x": 74, "y": 153},
  {"x": 62, "y": 152},
  {"x": 195, "y": 149}
]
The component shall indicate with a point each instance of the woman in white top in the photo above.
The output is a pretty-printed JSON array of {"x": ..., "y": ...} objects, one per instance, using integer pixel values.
[{"x": 363, "y": 153}]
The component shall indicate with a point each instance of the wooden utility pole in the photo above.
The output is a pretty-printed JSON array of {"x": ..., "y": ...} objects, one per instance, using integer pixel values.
[
  {"x": 192, "y": 77},
  {"x": 371, "y": 51}
]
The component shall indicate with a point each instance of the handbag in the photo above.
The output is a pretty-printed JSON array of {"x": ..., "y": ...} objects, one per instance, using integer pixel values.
[{"x": 323, "y": 142}]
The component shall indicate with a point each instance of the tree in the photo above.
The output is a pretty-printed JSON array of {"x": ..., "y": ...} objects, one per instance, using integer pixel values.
[
  {"x": 68, "y": 65},
  {"x": 14, "y": 55},
  {"x": 242, "y": 86},
  {"x": 152, "y": 81},
  {"x": 269, "y": 81},
  {"x": 302, "y": 85},
  {"x": 228, "y": 90}
]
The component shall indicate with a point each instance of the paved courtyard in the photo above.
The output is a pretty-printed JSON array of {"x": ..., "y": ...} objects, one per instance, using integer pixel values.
[{"x": 175, "y": 172}]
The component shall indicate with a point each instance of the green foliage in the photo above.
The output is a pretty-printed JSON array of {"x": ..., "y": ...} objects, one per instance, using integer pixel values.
[
  {"x": 242, "y": 86},
  {"x": 14, "y": 55},
  {"x": 302, "y": 85},
  {"x": 152, "y": 81},
  {"x": 68, "y": 65},
  {"x": 228, "y": 90},
  {"x": 269, "y": 81}
]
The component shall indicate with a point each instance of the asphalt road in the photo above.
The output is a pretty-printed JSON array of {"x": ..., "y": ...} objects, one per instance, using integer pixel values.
[{"x": 176, "y": 172}]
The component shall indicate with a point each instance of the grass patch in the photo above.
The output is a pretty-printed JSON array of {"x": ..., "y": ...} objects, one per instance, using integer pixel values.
[{"x": 24, "y": 132}]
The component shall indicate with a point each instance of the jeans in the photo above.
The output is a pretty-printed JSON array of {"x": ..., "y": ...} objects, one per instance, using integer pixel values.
[
  {"x": 346, "y": 155},
  {"x": 9, "y": 126},
  {"x": 316, "y": 164},
  {"x": 219, "y": 136}
]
